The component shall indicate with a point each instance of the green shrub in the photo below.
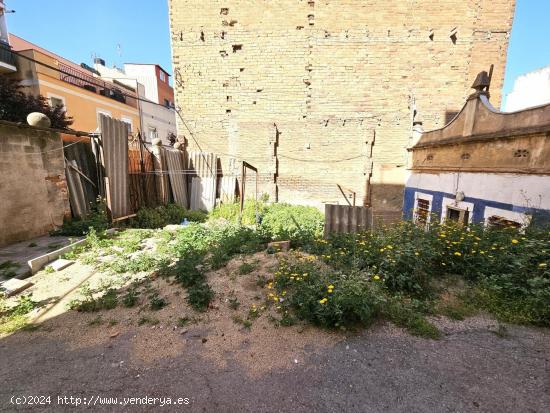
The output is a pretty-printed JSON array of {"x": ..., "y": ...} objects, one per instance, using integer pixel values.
[
  {"x": 91, "y": 302},
  {"x": 97, "y": 219},
  {"x": 508, "y": 268},
  {"x": 156, "y": 302},
  {"x": 130, "y": 299},
  {"x": 252, "y": 210},
  {"x": 329, "y": 298},
  {"x": 164, "y": 215},
  {"x": 199, "y": 296},
  {"x": 298, "y": 223},
  {"x": 323, "y": 296}
]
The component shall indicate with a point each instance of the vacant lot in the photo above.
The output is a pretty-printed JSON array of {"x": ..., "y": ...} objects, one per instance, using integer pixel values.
[{"x": 398, "y": 320}]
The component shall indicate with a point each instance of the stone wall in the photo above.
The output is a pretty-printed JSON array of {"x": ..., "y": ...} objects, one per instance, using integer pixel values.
[
  {"x": 318, "y": 94},
  {"x": 33, "y": 190}
]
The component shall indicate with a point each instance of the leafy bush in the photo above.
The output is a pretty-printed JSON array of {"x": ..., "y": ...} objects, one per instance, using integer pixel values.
[
  {"x": 252, "y": 210},
  {"x": 15, "y": 105},
  {"x": 164, "y": 215},
  {"x": 91, "y": 301},
  {"x": 328, "y": 298},
  {"x": 97, "y": 219},
  {"x": 507, "y": 268},
  {"x": 156, "y": 302},
  {"x": 199, "y": 296},
  {"x": 298, "y": 223}
]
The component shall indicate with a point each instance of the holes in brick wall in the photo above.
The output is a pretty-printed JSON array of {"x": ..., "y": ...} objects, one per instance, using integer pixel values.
[
  {"x": 453, "y": 35},
  {"x": 465, "y": 156},
  {"x": 259, "y": 90},
  {"x": 521, "y": 153},
  {"x": 222, "y": 35},
  {"x": 202, "y": 36},
  {"x": 311, "y": 3},
  {"x": 237, "y": 47},
  {"x": 311, "y": 19},
  {"x": 228, "y": 98},
  {"x": 254, "y": 102},
  {"x": 431, "y": 34},
  {"x": 241, "y": 69},
  {"x": 299, "y": 27},
  {"x": 223, "y": 53},
  {"x": 430, "y": 157},
  {"x": 224, "y": 11},
  {"x": 228, "y": 111},
  {"x": 233, "y": 23}
]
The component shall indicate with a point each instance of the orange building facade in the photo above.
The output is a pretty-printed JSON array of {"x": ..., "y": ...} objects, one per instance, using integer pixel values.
[{"x": 83, "y": 94}]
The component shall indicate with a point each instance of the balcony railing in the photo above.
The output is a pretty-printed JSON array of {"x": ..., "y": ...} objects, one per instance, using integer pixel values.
[
  {"x": 93, "y": 84},
  {"x": 6, "y": 55}
]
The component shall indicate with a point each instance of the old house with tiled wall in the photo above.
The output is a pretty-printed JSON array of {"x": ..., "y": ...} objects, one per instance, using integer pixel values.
[
  {"x": 485, "y": 166},
  {"x": 317, "y": 94}
]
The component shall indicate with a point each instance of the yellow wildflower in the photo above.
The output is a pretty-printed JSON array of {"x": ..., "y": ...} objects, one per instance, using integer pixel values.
[
  {"x": 515, "y": 241},
  {"x": 376, "y": 277},
  {"x": 323, "y": 300},
  {"x": 542, "y": 265},
  {"x": 458, "y": 254}
]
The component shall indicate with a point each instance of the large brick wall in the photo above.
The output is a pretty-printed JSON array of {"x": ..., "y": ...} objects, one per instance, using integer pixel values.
[{"x": 318, "y": 94}]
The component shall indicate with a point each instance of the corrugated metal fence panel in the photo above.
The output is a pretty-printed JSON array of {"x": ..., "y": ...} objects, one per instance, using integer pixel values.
[
  {"x": 227, "y": 192},
  {"x": 203, "y": 163},
  {"x": 175, "y": 163},
  {"x": 346, "y": 219},
  {"x": 77, "y": 196},
  {"x": 114, "y": 143},
  {"x": 84, "y": 160},
  {"x": 203, "y": 167},
  {"x": 203, "y": 193}
]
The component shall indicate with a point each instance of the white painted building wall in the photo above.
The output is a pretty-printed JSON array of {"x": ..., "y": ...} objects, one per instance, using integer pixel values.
[
  {"x": 520, "y": 190},
  {"x": 146, "y": 75},
  {"x": 157, "y": 121},
  {"x": 530, "y": 89},
  {"x": 524, "y": 190}
]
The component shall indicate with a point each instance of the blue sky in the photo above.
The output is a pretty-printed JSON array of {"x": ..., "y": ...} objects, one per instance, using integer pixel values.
[{"x": 78, "y": 29}]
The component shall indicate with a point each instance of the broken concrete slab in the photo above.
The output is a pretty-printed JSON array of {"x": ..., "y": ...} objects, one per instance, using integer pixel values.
[
  {"x": 14, "y": 286},
  {"x": 37, "y": 263},
  {"x": 60, "y": 264}
]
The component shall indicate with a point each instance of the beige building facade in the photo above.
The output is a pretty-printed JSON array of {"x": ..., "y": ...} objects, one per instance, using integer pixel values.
[{"x": 321, "y": 96}]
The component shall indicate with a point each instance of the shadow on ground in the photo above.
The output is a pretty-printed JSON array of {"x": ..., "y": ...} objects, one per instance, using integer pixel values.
[{"x": 264, "y": 369}]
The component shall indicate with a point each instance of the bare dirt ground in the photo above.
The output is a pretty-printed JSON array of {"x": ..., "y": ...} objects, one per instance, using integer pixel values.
[{"x": 223, "y": 366}]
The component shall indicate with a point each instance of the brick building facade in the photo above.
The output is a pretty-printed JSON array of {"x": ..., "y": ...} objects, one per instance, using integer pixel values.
[{"x": 320, "y": 96}]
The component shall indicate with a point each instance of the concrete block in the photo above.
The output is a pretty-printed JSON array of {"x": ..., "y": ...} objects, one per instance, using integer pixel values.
[
  {"x": 14, "y": 286},
  {"x": 37, "y": 263},
  {"x": 61, "y": 264}
]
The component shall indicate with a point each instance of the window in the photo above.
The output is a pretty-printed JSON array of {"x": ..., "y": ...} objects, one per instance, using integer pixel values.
[
  {"x": 496, "y": 221},
  {"x": 152, "y": 134},
  {"x": 162, "y": 76},
  {"x": 460, "y": 216},
  {"x": 166, "y": 103},
  {"x": 56, "y": 101},
  {"x": 422, "y": 212}
]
